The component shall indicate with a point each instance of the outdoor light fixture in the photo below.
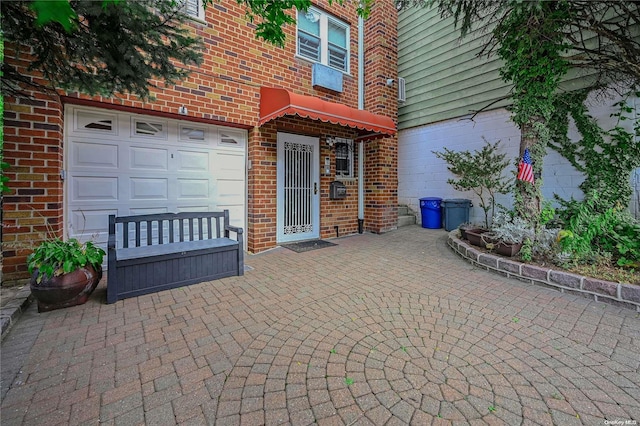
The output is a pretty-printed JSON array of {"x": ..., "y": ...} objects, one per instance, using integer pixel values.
[{"x": 330, "y": 141}]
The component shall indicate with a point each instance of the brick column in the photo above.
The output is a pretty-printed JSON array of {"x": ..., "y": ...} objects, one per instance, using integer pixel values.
[
  {"x": 261, "y": 203},
  {"x": 33, "y": 209},
  {"x": 381, "y": 155}
]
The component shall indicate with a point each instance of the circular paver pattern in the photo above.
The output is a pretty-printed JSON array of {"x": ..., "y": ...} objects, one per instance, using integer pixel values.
[{"x": 410, "y": 359}]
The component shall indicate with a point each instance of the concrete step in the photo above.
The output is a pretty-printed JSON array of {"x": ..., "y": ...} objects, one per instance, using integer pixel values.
[
  {"x": 405, "y": 216},
  {"x": 406, "y": 220}
]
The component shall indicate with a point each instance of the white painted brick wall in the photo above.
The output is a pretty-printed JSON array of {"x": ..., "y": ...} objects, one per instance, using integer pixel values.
[{"x": 422, "y": 174}]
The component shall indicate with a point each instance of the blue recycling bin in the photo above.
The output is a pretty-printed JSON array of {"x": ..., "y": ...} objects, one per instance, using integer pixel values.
[{"x": 431, "y": 212}]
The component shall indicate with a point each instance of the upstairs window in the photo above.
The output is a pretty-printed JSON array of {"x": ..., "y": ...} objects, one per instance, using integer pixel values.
[
  {"x": 324, "y": 39},
  {"x": 194, "y": 9}
]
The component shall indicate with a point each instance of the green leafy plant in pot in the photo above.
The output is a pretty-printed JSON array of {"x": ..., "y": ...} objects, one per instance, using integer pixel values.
[{"x": 64, "y": 273}]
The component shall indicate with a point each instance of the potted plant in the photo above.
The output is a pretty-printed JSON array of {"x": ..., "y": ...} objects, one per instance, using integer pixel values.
[
  {"x": 481, "y": 172},
  {"x": 508, "y": 233},
  {"x": 465, "y": 227},
  {"x": 476, "y": 237},
  {"x": 64, "y": 273}
]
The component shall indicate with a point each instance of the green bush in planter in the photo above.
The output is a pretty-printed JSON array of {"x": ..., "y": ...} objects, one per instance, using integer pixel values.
[{"x": 56, "y": 257}]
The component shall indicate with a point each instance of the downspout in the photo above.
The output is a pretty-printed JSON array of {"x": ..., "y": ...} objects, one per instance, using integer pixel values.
[{"x": 360, "y": 106}]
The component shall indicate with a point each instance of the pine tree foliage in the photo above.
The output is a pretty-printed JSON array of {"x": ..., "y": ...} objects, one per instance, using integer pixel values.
[{"x": 112, "y": 47}]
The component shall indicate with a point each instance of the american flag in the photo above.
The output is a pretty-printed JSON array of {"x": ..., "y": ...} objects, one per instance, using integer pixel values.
[{"x": 525, "y": 169}]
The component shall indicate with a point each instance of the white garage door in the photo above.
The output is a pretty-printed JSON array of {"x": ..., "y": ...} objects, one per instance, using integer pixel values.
[{"x": 127, "y": 164}]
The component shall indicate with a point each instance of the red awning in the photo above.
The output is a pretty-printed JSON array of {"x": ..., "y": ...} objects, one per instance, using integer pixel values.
[{"x": 276, "y": 103}]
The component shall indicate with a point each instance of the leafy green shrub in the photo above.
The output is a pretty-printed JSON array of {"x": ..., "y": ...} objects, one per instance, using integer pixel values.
[
  {"x": 591, "y": 236},
  {"x": 56, "y": 257},
  {"x": 479, "y": 171}
]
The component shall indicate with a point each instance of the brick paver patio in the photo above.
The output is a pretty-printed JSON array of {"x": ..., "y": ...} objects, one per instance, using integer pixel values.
[{"x": 380, "y": 329}]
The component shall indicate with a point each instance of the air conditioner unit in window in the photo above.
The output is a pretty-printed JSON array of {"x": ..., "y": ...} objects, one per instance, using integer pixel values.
[{"x": 402, "y": 94}]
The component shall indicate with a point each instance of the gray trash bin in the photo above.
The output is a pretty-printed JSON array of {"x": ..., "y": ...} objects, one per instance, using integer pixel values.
[{"x": 456, "y": 212}]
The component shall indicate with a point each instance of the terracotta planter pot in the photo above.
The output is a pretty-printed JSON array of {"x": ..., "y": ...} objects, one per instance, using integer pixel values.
[
  {"x": 507, "y": 249},
  {"x": 480, "y": 238},
  {"x": 65, "y": 290},
  {"x": 474, "y": 236},
  {"x": 464, "y": 229}
]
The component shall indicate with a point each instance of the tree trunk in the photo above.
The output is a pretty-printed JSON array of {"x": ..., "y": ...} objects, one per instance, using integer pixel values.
[{"x": 528, "y": 197}]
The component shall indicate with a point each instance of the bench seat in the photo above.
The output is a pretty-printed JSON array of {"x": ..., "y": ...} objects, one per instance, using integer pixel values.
[{"x": 145, "y": 252}]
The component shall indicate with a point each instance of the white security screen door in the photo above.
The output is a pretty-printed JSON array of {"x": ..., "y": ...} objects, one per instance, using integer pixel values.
[{"x": 298, "y": 188}]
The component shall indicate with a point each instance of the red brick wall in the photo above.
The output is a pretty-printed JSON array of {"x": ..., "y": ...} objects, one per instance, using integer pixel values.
[
  {"x": 225, "y": 88},
  {"x": 381, "y": 185},
  {"x": 33, "y": 149}
]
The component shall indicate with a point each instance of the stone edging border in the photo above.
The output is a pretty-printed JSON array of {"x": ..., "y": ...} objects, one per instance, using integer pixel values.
[{"x": 623, "y": 295}]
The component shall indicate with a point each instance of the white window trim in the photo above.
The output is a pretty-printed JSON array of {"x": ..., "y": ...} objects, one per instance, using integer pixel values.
[
  {"x": 324, "y": 40},
  {"x": 350, "y": 158},
  {"x": 201, "y": 13}
]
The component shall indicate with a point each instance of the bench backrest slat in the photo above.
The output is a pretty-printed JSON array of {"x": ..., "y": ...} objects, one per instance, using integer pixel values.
[
  {"x": 161, "y": 228},
  {"x": 137, "y": 234},
  {"x": 125, "y": 234},
  {"x": 149, "y": 233},
  {"x": 160, "y": 233}
]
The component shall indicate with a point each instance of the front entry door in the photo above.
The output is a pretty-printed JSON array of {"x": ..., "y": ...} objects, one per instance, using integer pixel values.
[{"x": 298, "y": 188}]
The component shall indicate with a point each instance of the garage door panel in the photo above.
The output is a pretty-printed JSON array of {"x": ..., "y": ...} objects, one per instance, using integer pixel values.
[
  {"x": 95, "y": 122},
  {"x": 236, "y": 213},
  {"x": 90, "y": 222},
  {"x": 193, "y": 134},
  {"x": 146, "y": 210},
  {"x": 149, "y": 159},
  {"x": 230, "y": 191},
  {"x": 149, "y": 189},
  {"x": 192, "y": 161},
  {"x": 200, "y": 208},
  {"x": 193, "y": 188},
  {"x": 94, "y": 188},
  {"x": 229, "y": 165},
  {"x": 92, "y": 155},
  {"x": 149, "y": 128}
]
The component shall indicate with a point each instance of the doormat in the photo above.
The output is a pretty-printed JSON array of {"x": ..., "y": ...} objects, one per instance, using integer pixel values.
[{"x": 308, "y": 245}]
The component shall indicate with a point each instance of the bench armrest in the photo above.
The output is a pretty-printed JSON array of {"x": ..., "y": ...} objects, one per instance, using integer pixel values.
[{"x": 235, "y": 229}]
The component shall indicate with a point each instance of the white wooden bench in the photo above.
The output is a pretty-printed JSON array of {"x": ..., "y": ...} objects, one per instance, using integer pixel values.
[{"x": 150, "y": 253}]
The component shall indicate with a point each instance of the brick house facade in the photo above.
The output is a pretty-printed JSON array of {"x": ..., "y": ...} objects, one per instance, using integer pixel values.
[{"x": 225, "y": 92}]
